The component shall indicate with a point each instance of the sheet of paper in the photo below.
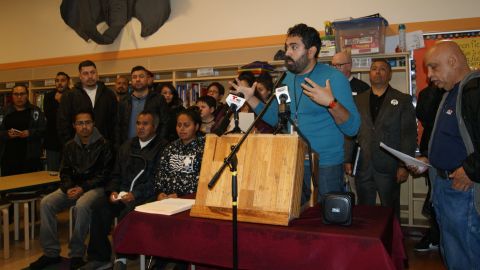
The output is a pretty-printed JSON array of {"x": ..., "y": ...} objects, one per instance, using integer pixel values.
[
  {"x": 408, "y": 160},
  {"x": 166, "y": 207},
  {"x": 244, "y": 121}
]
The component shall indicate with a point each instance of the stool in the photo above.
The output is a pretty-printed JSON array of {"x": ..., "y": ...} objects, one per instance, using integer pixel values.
[
  {"x": 28, "y": 200},
  {"x": 4, "y": 205}
]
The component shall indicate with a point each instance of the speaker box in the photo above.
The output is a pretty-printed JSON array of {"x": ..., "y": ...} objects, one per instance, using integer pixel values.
[{"x": 337, "y": 208}]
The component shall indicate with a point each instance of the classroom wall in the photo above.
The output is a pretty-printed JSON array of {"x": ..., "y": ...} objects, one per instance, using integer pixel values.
[{"x": 33, "y": 29}]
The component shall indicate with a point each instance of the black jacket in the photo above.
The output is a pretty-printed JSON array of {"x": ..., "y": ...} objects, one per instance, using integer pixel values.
[
  {"x": 50, "y": 107},
  {"x": 470, "y": 114},
  {"x": 358, "y": 86},
  {"x": 87, "y": 166},
  {"x": 427, "y": 106},
  {"x": 105, "y": 111},
  {"x": 129, "y": 163},
  {"x": 154, "y": 103},
  {"x": 36, "y": 129},
  {"x": 395, "y": 126}
]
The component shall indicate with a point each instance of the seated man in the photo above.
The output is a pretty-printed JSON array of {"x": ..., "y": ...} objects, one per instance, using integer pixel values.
[
  {"x": 86, "y": 166},
  {"x": 137, "y": 154}
]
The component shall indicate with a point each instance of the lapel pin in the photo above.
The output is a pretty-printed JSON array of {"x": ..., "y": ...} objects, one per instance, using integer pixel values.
[{"x": 394, "y": 102}]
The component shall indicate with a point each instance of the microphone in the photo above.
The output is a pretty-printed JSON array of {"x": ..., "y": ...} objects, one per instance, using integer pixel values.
[
  {"x": 283, "y": 98},
  {"x": 235, "y": 102}
]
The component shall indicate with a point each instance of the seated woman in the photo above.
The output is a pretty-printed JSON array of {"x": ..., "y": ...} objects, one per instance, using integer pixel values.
[
  {"x": 175, "y": 105},
  {"x": 179, "y": 166},
  {"x": 216, "y": 90}
]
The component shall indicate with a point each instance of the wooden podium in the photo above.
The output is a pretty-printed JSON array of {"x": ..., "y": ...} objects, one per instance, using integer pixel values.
[{"x": 270, "y": 177}]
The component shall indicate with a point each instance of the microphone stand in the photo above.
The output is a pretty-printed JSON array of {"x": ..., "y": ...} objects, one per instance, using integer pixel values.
[
  {"x": 231, "y": 161},
  {"x": 283, "y": 116},
  {"x": 236, "y": 119}
]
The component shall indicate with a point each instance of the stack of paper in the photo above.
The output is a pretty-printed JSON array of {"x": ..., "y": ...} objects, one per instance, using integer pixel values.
[
  {"x": 408, "y": 160},
  {"x": 166, "y": 207}
]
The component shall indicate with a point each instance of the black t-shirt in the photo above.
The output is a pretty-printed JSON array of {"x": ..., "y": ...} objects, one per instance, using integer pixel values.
[{"x": 376, "y": 104}]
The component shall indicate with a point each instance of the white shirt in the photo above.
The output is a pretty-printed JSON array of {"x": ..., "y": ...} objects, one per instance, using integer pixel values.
[
  {"x": 145, "y": 143},
  {"x": 91, "y": 94}
]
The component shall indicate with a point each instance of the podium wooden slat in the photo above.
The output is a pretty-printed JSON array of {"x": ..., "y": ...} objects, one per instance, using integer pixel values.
[{"x": 270, "y": 176}]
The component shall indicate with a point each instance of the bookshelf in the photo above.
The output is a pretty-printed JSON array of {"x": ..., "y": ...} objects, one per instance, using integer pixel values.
[{"x": 192, "y": 73}]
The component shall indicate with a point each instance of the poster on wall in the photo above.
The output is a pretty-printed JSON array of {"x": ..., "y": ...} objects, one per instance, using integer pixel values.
[{"x": 469, "y": 42}]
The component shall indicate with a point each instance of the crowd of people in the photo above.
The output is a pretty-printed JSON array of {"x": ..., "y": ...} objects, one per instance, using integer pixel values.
[{"x": 100, "y": 139}]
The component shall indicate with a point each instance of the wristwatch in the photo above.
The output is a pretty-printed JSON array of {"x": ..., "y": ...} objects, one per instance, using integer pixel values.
[{"x": 333, "y": 103}]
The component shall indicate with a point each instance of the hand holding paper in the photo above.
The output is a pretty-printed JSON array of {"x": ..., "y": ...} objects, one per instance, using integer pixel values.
[{"x": 417, "y": 165}]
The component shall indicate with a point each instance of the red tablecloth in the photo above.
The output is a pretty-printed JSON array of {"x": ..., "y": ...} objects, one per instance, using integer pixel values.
[{"x": 374, "y": 241}]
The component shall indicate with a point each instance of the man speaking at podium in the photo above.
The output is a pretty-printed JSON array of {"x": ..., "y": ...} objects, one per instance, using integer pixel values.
[{"x": 322, "y": 106}]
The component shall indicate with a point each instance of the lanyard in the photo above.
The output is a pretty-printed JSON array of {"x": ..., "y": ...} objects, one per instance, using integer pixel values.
[{"x": 297, "y": 103}]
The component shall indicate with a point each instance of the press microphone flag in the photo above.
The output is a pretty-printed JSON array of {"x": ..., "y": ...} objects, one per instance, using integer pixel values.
[
  {"x": 235, "y": 102},
  {"x": 282, "y": 93}
]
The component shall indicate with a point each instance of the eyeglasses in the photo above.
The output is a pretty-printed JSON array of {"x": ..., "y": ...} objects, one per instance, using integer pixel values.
[
  {"x": 19, "y": 94},
  {"x": 83, "y": 123},
  {"x": 340, "y": 65}
]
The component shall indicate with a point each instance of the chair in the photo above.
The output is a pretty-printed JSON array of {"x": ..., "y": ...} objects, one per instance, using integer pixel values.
[
  {"x": 4, "y": 205},
  {"x": 28, "y": 199}
]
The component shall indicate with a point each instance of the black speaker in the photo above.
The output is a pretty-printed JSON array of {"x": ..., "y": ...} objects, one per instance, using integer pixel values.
[{"x": 337, "y": 208}]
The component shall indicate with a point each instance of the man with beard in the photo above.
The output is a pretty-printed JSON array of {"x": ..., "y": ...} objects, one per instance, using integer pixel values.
[
  {"x": 141, "y": 99},
  {"x": 51, "y": 102},
  {"x": 88, "y": 95},
  {"x": 121, "y": 87},
  {"x": 322, "y": 106}
]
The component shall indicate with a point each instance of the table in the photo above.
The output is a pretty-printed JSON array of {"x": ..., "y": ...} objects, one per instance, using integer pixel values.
[
  {"x": 27, "y": 180},
  {"x": 24, "y": 182},
  {"x": 374, "y": 241}
]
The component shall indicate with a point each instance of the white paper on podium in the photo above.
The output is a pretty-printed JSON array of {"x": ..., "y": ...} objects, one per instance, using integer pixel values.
[
  {"x": 168, "y": 206},
  {"x": 408, "y": 160}
]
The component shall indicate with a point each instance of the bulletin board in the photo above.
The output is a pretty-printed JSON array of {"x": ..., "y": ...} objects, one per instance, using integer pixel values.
[{"x": 469, "y": 42}]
